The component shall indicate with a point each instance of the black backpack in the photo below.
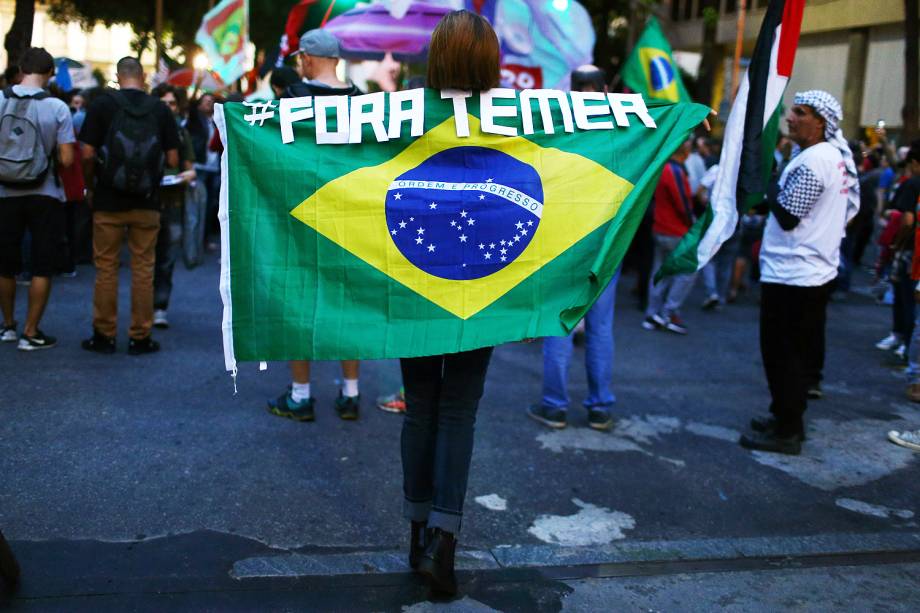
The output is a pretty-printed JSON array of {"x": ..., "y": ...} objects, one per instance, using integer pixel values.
[{"x": 132, "y": 158}]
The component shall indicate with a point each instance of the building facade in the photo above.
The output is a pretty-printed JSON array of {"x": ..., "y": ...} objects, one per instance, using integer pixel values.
[{"x": 854, "y": 49}]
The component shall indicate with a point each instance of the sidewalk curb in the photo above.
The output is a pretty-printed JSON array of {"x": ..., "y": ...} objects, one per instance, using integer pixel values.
[{"x": 509, "y": 557}]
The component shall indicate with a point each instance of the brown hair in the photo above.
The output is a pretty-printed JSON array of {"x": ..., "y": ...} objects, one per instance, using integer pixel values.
[
  {"x": 463, "y": 53},
  {"x": 36, "y": 61}
]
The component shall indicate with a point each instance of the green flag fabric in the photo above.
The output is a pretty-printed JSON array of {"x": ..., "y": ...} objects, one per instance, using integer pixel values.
[
  {"x": 407, "y": 224},
  {"x": 651, "y": 70}
]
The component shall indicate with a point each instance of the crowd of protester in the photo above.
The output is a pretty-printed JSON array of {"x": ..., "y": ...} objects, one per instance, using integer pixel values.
[{"x": 84, "y": 197}]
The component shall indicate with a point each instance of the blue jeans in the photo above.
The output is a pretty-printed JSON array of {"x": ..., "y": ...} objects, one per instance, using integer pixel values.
[
  {"x": 599, "y": 345},
  {"x": 442, "y": 396}
]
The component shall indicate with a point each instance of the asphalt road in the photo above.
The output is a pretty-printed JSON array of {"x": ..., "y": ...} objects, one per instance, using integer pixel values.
[{"x": 146, "y": 483}]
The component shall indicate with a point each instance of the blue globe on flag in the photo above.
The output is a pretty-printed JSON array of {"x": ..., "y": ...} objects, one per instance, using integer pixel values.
[
  {"x": 661, "y": 73},
  {"x": 465, "y": 212}
]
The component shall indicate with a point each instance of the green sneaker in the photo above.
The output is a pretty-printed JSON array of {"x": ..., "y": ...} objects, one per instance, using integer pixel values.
[
  {"x": 284, "y": 406},
  {"x": 347, "y": 406}
]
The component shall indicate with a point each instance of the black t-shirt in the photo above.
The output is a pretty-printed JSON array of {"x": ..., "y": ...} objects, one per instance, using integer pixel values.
[
  {"x": 905, "y": 198},
  {"x": 99, "y": 117}
]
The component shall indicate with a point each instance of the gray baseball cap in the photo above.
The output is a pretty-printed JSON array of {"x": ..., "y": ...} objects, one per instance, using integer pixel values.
[{"x": 319, "y": 43}]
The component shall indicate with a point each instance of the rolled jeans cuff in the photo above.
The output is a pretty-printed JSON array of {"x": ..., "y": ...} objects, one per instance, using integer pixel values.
[
  {"x": 416, "y": 511},
  {"x": 449, "y": 522}
]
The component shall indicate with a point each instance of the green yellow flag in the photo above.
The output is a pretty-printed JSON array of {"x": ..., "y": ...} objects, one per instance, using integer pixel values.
[
  {"x": 650, "y": 68},
  {"x": 404, "y": 224}
]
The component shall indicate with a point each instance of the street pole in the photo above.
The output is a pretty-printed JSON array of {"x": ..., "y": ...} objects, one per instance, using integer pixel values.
[
  {"x": 158, "y": 35},
  {"x": 739, "y": 43}
]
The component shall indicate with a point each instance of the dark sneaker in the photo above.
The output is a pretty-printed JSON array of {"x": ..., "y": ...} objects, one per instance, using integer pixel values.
[
  {"x": 599, "y": 418},
  {"x": 653, "y": 322},
  {"x": 34, "y": 343},
  {"x": 140, "y": 346},
  {"x": 773, "y": 443},
  {"x": 347, "y": 406},
  {"x": 548, "y": 416},
  {"x": 815, "y": 392},
  {"x": 8, "y": 333},
  {"x": 284, "y": 406},
  {"x": 767, "y": 424},
  {"x": 676, "y": 325},
  {"x": 710, "y": 303},
  {"x": 100, "y": 343}
]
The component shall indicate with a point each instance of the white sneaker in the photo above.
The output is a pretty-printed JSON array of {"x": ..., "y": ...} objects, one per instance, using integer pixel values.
[
  {"x": 888, "y": 343},
  {"x": 908, "y": 438},
  {"x": 901, "y": 351},
  {"x": 8, "y": 334},
  {"x": 159, "y": 319}
]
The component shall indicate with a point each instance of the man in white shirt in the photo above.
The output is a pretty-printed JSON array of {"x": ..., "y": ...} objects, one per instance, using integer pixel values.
[{"x": 818, "y": 195}]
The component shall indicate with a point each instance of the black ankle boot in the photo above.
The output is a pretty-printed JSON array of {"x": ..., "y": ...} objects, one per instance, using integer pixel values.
[
  {"x": 419, "y": 536},
  {"x": 437, "y": 563}
]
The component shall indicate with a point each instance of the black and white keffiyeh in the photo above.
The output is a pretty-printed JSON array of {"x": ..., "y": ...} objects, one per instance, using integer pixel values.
[{"x": 829, "y": 109}]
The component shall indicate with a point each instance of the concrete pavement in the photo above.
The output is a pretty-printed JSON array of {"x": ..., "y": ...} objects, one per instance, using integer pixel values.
[{"x": 145, "y": 483}]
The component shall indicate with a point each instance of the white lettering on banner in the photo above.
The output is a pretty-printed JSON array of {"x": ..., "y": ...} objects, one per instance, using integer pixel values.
[
  {"x": 583, "y": 111},
  {"x": 415, "y": 114},
  {"x": 543, "y": 96},
  {"x": 323, "y": 135},
  {"x": 374, "y": 117},
  {"x": 636, "y": 106},
  {"x": 293, "y": 109},
  {"x": 460, "y": 119},
  {"x": 489, "y": 111},
  {"x": 508, "y": 193},
  {"x": 387, "y": 120}
]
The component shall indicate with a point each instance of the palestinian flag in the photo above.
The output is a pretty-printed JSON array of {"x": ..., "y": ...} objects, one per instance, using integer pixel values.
[
  {"x": 750, "y": 138},
  {"x": 380, "y": 243},
  {"x": 223, "y": 35}
]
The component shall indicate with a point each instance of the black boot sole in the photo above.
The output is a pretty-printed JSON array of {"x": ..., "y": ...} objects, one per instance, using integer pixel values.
[{"x": 428, "y": 569}]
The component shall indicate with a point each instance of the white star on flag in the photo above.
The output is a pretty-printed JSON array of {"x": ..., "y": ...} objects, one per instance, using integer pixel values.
[
  {"x": 402, "y": 225},
  {"x": 504, "y": 251},
  {"x": 481, "y": 246},
  {"x": 491, "y": 245},
  {"x": 524, "y": 231},
  {"x": 421, "y": 230},
  {"x": 488, "y": 256},
  {"x": 519, "y": 225},
  {"x": 488, "y": 180},
  {"x": 419, "y": 240},
  {"x": 463, "y": 238},
  {"x": 471, "y": 221},
  {"x": 530, "y": 222},
  {"x": 482, "y": 197},
  {"x": 462, "y": 213},
  {"x": 433, "y": 205},
  {"x": 503, "y": 258},
  {"x": 430, "y": 248},
  {"x": 453, "y": 223},
  {"x": 393, "y": 231},
  {"x": 397, "y": 197}
]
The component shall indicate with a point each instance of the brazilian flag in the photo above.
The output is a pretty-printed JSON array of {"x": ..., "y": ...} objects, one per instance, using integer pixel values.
[
  {"x": 650, "y": 69},
  {"x": 405, "y": 245}
]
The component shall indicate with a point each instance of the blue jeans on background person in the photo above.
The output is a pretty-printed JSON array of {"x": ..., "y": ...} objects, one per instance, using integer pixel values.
[
  {"x": 169, "y": 245},
  {"x": 442, "y": 396},
  {"x": 599, "y": 349},
  {"x": 717, "y": 274},
  {"x": 666, "y": 297}
]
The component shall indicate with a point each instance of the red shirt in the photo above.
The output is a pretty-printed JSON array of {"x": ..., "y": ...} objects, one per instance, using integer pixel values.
[{"x": 673, "y": 201}]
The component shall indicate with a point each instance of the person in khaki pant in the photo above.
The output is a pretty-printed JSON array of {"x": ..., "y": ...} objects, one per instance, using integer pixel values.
[{"x": 125, "y": 200}]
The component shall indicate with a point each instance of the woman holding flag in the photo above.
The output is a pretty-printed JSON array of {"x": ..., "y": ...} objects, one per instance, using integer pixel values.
[{"x": 443, "y": 391}]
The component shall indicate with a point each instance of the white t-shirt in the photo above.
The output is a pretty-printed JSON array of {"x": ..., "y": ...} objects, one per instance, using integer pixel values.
[
  {"x": 56, "y": 127},
  {"x": 808, "y": 254}
]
